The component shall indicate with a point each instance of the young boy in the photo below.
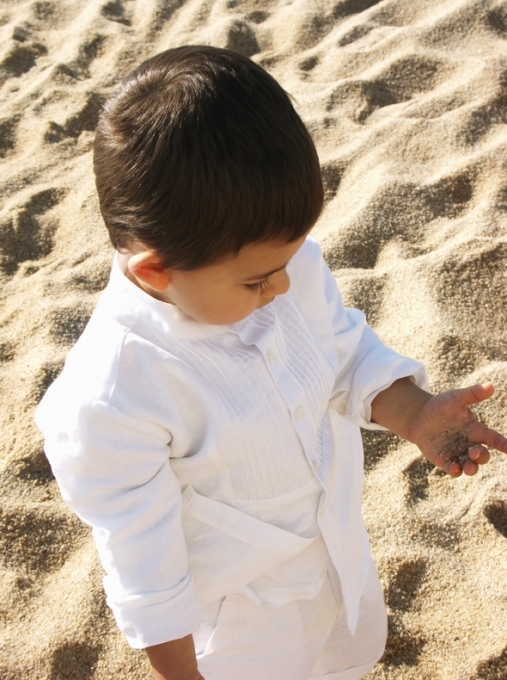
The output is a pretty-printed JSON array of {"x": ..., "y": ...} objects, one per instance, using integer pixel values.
[{"x": 206, "y": 424}]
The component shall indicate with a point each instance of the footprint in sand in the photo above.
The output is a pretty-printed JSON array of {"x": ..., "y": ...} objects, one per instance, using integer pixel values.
[
  {"x": 18, "y": 53},
  {"x": 115, "y": 11},
  {"x": 27, "y": 234},
  {"x": 404, "y": 647},
  {"x": 494, "y": 668},
  {"x": 400, "y": 81},
  {"x": 404, "y": 584},
  {"x": 67, "y": 322},
  {"x": 236, "y": 35},
  {"x": 80, "y": 656},
  {"x": 37, "y": 541},
  {"x": 8, "y": 135},
  {"x": 416, "y": 475},
  {"x": 85, "y": 118},
  {"x": 345, "y": 8},
  {"x": 496, "y": 513}
]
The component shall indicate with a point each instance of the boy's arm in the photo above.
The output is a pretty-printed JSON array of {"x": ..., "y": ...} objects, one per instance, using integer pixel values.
[
  {"x": 174, "y": 660},
  {"x": 442, "y": 426}
]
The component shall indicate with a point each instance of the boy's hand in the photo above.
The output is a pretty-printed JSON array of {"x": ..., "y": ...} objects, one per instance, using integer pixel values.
[{"x": 449, "y": 434}]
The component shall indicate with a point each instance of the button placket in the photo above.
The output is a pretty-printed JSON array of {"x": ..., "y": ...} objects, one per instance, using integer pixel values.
[{"x": 289, "y": 390}]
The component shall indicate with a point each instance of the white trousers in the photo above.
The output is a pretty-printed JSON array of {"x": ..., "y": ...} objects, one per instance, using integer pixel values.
[{"x": 303, "y": 640}]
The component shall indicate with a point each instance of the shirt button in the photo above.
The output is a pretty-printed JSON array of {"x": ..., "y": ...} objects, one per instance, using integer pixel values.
[
  {"x": 300, "y": 413},
  {"x": 270, "y": 356}
]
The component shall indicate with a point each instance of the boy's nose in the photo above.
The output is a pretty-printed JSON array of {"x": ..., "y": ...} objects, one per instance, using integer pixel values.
[{"x": 278, "y": 285}]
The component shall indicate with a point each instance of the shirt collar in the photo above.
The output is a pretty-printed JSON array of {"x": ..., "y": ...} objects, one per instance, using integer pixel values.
[{"x": 170, "y": 319}]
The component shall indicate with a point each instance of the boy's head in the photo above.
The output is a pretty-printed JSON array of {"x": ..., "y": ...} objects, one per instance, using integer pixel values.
[{"x": 201, "y": 153}]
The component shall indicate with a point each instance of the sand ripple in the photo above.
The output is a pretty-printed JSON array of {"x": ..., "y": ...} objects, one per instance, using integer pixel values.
[{"x": 407, "y": 102}]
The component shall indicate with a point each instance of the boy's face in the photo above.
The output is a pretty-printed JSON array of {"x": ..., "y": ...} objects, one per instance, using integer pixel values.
[{"x": 228, "y": 291}]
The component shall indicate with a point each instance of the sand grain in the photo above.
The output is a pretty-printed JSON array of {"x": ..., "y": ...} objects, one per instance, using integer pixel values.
[{"x": 407, "y": 102}]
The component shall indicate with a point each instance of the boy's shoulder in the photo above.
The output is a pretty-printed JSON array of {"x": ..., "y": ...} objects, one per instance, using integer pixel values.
[
  {"x": 312, "y": 285},
  {"x": 95, "y": 362},
  {"x": 307, "y": 269},
  {"x": 310, "y": 253}
]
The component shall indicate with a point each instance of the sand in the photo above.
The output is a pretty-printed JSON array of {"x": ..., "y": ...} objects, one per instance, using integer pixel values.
[{"x": 407, "y": 103}]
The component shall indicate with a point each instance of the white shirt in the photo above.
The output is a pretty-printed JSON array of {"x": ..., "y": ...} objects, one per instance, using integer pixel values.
[{"x": 219, "y": 459}]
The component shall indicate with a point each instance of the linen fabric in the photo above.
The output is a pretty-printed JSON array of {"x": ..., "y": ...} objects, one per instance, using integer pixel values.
[
  {"x": 301, "y": 640},
  {"x": 220, "y": 460}
]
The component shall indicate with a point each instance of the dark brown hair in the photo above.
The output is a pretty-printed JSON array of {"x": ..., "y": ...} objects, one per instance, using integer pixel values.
[{"x": 199, "y": 153}]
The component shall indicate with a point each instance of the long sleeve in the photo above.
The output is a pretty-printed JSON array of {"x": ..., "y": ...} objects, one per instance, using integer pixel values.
[
  {"x": 113, "y": 471},
  {"x": 182, "y": 445},
  {"x": 364, "y": 365}
]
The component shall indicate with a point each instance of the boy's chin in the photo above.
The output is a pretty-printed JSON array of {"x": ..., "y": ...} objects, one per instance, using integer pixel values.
[
  {"x": 226, "y": 321},
  {"x": 265, "y": 302}
]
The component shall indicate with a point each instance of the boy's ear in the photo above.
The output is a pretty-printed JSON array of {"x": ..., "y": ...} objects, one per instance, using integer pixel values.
[{"x": 147, "y": 268}]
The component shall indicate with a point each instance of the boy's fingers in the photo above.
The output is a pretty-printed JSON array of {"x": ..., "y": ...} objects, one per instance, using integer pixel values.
[
  {"x": 480, "y": 434},
  {"x": 470, "y": 468},
  {"x": 454, "y": 469},
  {"x": 496, "y": 441},
  {"x": 479, "y": 455},
  {"x": 476, "y": 393}
]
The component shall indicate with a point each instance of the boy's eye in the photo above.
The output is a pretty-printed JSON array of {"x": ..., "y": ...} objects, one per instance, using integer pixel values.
[{"x": 258, "y": 285}]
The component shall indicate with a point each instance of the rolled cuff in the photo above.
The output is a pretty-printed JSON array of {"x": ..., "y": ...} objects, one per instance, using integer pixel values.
[
  {"x": 378, "y": 371},
  {"x": 162, "y": 616}
]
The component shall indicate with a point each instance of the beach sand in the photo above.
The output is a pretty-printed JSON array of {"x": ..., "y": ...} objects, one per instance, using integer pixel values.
[{"x": 407, "y": 103}]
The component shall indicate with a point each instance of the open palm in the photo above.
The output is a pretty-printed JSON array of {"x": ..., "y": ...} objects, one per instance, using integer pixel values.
[{"x": 448, "y": 433}]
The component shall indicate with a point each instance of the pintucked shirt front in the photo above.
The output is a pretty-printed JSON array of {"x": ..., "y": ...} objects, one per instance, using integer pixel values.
[{"x": 219, "y": 459}]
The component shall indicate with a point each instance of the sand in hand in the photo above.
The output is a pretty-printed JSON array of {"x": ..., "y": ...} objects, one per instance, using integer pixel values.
[{"x": 407, "y": 103}]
